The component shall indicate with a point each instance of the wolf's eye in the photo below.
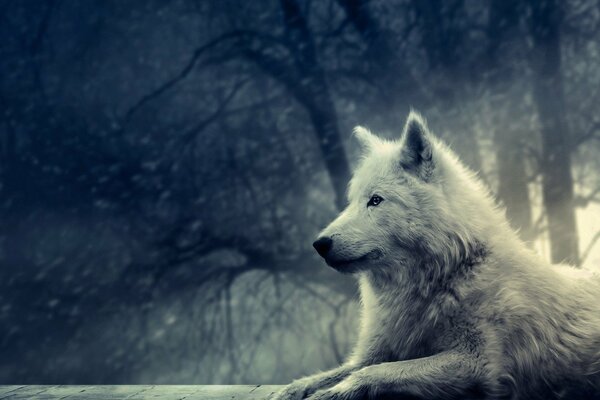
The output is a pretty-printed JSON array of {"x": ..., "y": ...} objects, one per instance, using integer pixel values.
[{"x": 375, "y": 200}]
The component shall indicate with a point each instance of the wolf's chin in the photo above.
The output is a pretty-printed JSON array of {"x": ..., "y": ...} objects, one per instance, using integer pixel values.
[{"x": 353, "y": 264}]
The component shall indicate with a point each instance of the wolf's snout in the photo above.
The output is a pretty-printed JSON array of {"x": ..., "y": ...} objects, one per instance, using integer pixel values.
[{"x": 322, "y": 245}]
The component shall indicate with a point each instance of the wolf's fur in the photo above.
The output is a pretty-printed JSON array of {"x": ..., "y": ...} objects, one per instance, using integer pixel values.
[{"x": 454, "y": 305}]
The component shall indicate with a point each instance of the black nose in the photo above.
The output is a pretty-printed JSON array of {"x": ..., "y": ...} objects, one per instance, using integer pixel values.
[{"x": 323, "y": 245}]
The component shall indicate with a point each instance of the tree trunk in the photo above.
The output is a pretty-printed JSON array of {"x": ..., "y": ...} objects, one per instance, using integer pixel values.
[
  {"x": 323, "y": 117},
  {"x": 557, "y": 182},
  {"x": 300, "y": 72},
  {"x": 512, "y": 177},
  {"x": 311, "y": 89}
]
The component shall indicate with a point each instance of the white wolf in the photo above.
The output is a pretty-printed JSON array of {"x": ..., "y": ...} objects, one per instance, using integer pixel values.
[{"x": 454, "y": 305}]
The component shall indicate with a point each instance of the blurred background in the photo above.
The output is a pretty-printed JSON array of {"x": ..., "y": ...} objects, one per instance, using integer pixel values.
[{"x": 165, "y": 167}]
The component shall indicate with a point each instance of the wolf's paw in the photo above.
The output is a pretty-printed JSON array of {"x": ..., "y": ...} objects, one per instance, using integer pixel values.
[
  {"x": 348, "y": 389},
  {"x": 296, "y": 390},
  {"x": 291, "y": 392}
]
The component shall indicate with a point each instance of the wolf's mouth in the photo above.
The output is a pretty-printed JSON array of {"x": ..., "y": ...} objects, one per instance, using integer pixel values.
[{"x": 342, "y": 264}]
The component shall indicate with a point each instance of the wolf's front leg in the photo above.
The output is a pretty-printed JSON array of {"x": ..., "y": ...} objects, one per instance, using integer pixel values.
[
  {"x": 446, "y": 375},
  {"x": 304, "y": 387}
]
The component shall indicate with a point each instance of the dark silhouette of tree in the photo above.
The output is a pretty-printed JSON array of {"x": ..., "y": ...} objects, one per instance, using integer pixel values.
[
  {"x": 507, "y": 92},
  {"x": 548, "y": 93},
  {"x": 311, "y": 89}
]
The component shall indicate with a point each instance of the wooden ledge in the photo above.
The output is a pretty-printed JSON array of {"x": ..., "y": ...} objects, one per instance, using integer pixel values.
[{"x": 137, "y": 392}]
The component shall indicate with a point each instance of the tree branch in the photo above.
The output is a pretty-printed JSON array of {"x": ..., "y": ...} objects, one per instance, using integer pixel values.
[
  {"x": 589, "y": 247},
  {"x": 193, "y": 132},
  {"x": 192, "y": 62}
]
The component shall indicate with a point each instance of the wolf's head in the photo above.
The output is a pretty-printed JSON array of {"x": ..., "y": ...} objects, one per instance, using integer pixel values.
[{"x": 411, "y": 204}]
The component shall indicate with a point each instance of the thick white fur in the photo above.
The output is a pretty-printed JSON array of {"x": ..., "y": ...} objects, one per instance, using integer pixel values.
[{"x": 454, "y": 305}]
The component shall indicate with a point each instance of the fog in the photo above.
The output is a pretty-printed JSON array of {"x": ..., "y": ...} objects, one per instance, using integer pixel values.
[{"x": 165, "y": 167}]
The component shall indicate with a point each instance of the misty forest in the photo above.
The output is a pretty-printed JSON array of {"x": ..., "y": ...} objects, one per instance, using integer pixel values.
[{"x": 165, "y": 167}]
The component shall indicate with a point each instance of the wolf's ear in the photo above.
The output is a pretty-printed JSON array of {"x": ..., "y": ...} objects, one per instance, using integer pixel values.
[
  {"x": 366, "y": 139},
  {"x": 417, "y": 147}
]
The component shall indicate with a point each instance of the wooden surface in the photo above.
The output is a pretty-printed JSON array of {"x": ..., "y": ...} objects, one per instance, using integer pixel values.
[{"x": 136, "y": 392}]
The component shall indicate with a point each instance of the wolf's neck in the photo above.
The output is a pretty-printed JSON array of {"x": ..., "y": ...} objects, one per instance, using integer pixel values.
[{"x": 425, "y": 278}]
